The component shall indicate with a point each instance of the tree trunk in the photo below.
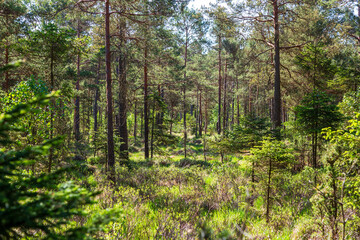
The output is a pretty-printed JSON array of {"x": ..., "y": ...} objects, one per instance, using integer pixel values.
[
  {"x": 334, "y": 206},
  {"x": 252, "y": 181},
  {"x": 109, "y": 100},
  {"x": 135, "y": 119},
  {"x": 271, "y": 107},
  {"x": 196, "y": 113},
  {"x": 277, "y": 90},
  {"x": 122, "y": 123},
  {"x": 152, "y": 130},
  {"x": 146, "y": 118},
  {"x": 142, "y": 124},
  {"x": 83, "y": 116},
  {"x": 206, "y": 116},
  {"x": 96, "y": 99},
  {"x": 77, "y": 98},
  {"x": 162, "y": 114},
  {"x": 200, "y": 115},
  {"x": 158, "y": 115},
  {"x": 314, "y": 152},
  {"x": 257, "y": 105},
  {"x": 89, "y": 112},
  {"x": 51, "y": 155},
  {"x": 7, "y": 82},
  {"x": 233, "y": 109},
  {"x": 184, "y": 100},
  {"x": 245, "y": 97},
  {"x": 238, "y": 102},
  {"x": 171, "y": 118},
  {"x": 250, "y": 110},
  {"x": 225, "y": 102},
  {"x": 219, "y": 91}
]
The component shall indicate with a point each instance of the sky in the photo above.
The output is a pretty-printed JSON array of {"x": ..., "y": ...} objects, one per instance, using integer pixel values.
[{"x": 198, "y": 3}]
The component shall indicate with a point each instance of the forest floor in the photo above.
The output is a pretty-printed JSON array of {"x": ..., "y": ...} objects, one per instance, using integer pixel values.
[{"x": 171, "y": 197}]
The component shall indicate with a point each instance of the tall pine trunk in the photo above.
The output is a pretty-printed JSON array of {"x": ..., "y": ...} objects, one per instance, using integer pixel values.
[
  {"x": 250, "y": 110},
  {"x": 277, "y": 90},
  {"x": 152, "y": 130},
  {"x": 7, "y": 81},
  {"x": 109, "y": 99},
  {"x": 146, "y": 118},
  {"x": 135, "y": 119},
  {"x": 197, "y": 112},
  {"x": 96, "y": 99},
  {"x": 225, "y": 92},
  {"x": 238, "y": 102},
  {"x": 200, "y": 115},
  {"x": 77, "y": 98},
  {"x": 184, "y": 92},
  {"x": 122, "y": 123},
  {"x": 219, "y": 90},
  {"x": 52, "y": 106}
]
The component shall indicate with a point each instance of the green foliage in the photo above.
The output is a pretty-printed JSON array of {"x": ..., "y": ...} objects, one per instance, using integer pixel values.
[
  {"x": 172, "y": 197},
  {"x": 343, "y": 150},
  {"x": 280, "y": 155},
  {"x": 35, "y": 122},
  {"x": 221, "y": 144},
  {"x": 338, "y": 192},
  {"x": 12, "y": 65},
  {"x": 271, "y": 160},
  {"x": 160, "y": 125},
  {"x": 24, "y": 92},
  {"x": 250, "y": 132},
  {"x": 49, "y": 43},
  {"x": 316, "y": 65},
  {"x": 347, "y": 75},
  {"x": 350, "y": 104},
  {"x": 317, "y": 112},
  {"x": 37, "y": 205},
  {"x": 247, "y": 135}
]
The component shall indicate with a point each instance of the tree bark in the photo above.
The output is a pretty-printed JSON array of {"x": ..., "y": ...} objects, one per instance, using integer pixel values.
[
  {"x": 122, "y": 123},
  {"x": 277, "y": 90},
  {"x": 225, "y": 102},
  {"x": 77, "y": 99},
  {"x": 238, "y": 102},
  {"x": 233, "y": 113},
  {"x": 52, "y": 83},
  {"x": 152, "y": 130},
  {"x": 184, "y": 100},
  {"x": 109, "y": 100},
  {"x": 334, "y": 202},
  {"x": 171, "y": 117},
  {"x": 96, "y": 99},
  {"x": 146, "y": 118},
  {"x": 7, "y": 81},
  {"x": 206, "y": 116},
  {"x": 200, "y": 115},
  {"x": 219, "y": 91},
  {"x": 142, "y": 124},
  {"x": 196, "y": 112},
  {"x": 135, "y": 119},
  {"x": 250, "y": 110}
]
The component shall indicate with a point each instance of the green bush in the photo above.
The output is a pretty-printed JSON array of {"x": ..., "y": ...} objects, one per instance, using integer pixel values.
[{"x": 38, "y": 205}]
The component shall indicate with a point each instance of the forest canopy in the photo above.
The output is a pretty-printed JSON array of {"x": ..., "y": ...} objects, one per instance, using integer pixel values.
[{"x": 239, "y": 119}]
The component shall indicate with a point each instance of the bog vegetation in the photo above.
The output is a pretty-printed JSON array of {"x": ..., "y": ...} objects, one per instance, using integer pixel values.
[{"x": 156, "y": 120}]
